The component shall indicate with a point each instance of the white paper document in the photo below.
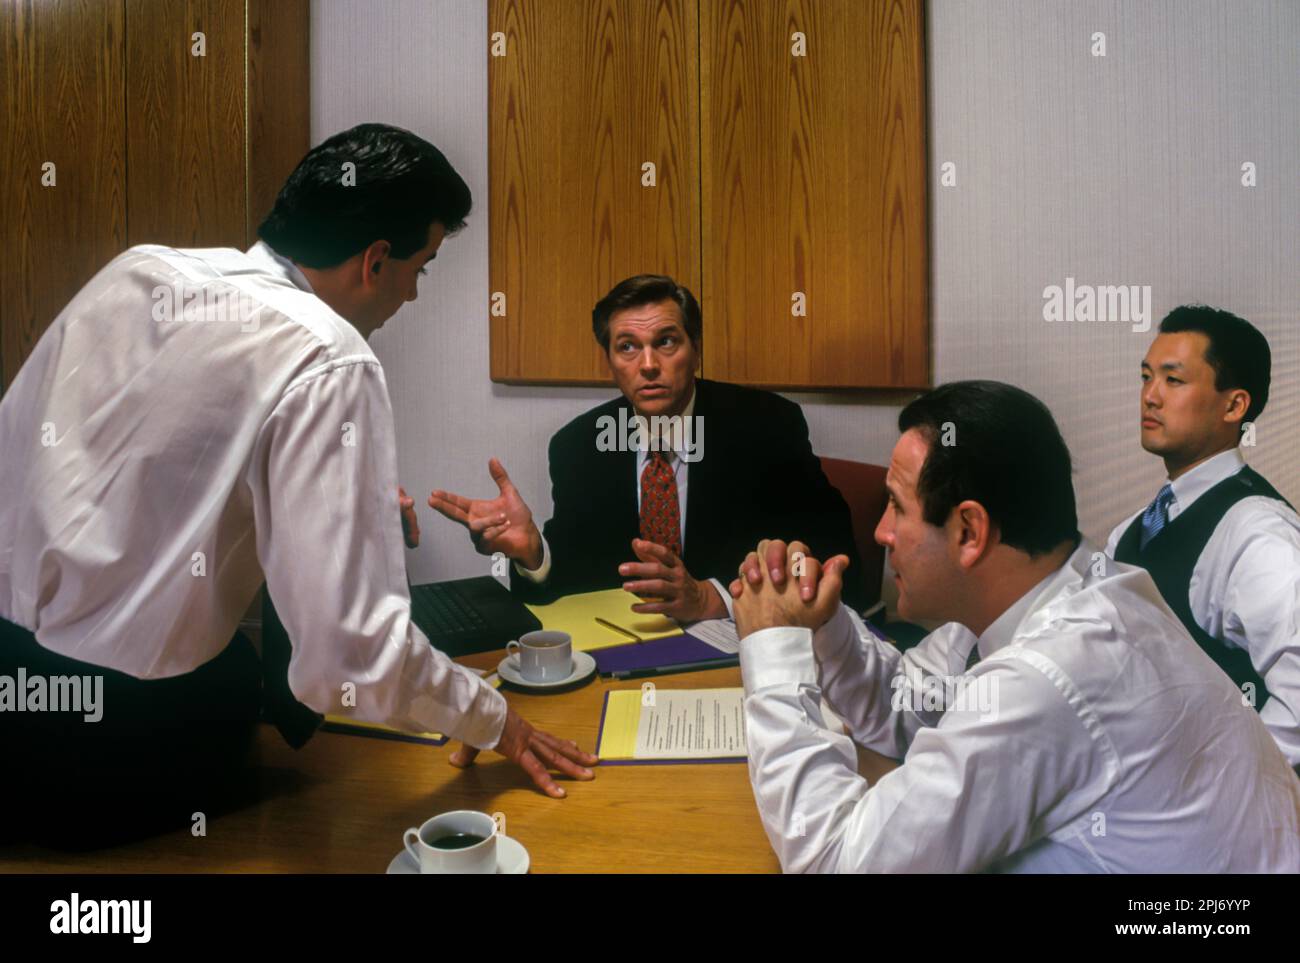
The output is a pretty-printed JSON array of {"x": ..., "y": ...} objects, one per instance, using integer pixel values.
[
  {"x": 692, "y": 724},
  {"x": 719, "y": 633}
]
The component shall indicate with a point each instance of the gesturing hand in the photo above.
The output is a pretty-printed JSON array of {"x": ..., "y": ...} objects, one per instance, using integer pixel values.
[
  {"x": 502, "y": 524},
  {"x": 661, "y": 575},
  {"x": 784, "y": 585},
  {"x": 535, "y": 752},
  {"x": 410, "y": 524}
]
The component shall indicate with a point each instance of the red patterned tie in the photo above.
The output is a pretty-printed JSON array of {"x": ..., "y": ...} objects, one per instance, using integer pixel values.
[{"x": 661, "y": 517}]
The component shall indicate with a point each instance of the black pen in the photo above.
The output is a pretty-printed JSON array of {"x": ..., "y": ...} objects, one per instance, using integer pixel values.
[{"x": 679, "y": 667}]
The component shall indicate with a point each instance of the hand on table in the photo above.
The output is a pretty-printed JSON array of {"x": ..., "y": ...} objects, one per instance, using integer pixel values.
[
  {"x": 535, "y": 752},
  {"x": 783, "y": 585},
  {"x": 503, "y": 524},
  {"x": 661, "y": 575}
]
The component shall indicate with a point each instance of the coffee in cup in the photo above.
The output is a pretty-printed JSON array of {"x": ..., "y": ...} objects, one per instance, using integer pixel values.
[
  {"x": 542, "y": 656},
  {"x": 463, "y": 841}
]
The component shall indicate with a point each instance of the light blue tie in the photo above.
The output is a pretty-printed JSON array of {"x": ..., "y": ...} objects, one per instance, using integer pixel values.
[{"x": 1156, "y": 517}]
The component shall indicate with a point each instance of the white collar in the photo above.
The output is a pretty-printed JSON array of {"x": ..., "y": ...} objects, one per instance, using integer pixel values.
[
  {"x": 1003, "y": 630},
  {"x": 1192, "y": 485},
  {"x": 279, "y": 265}
]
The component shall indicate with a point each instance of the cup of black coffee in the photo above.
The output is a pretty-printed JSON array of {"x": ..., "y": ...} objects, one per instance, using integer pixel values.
[
  {"x": 463, "y": 841},
  {"x": 542, "y": 656},
  {"x": 457, "y": 841}
]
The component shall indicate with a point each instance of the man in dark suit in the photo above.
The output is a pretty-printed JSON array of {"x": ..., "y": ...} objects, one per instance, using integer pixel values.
[{"x": 668, "y": 503}]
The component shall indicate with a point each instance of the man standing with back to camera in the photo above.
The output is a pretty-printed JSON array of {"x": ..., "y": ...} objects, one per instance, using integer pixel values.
[{"x": 219, "y": 419}]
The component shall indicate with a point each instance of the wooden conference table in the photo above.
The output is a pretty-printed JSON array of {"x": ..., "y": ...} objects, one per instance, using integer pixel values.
[{"x": 341, "y": 803}]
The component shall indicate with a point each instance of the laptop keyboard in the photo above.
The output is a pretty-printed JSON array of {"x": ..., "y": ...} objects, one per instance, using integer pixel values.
[{"x": 442, "y": 607}]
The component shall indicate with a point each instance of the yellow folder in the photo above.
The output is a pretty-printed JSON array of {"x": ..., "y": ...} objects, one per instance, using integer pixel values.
[
  {"x": 598, "y": 620},
  {"x": 681, "y": 726}
]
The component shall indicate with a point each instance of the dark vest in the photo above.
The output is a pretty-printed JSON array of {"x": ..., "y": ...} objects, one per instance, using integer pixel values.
[{"x": 1171, "y": 556}]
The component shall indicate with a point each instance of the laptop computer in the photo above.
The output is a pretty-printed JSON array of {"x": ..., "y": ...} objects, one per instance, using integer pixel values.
[{"x": 469, "y": 615}]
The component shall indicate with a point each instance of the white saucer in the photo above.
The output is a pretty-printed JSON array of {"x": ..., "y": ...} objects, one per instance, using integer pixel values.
[
  {"x": 583, "y": 666},
  {"x": 512, "y": 860}
]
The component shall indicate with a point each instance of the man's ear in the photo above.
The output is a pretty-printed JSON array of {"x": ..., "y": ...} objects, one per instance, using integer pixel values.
[
  {"x": 973, "y": 532},
  {"x": 372, "y": 261},
  {"x": 1238, "y": 405}
]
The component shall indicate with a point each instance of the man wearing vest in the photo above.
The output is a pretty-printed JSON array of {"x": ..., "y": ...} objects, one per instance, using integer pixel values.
[{"x": 1220, "y": 542}]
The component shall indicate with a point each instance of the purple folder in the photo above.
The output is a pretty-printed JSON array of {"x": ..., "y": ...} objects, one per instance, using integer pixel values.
[{"x": 671, "y": 650}]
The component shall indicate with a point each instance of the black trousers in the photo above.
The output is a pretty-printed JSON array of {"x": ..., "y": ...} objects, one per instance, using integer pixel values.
[{"x": 163, "y": 749}]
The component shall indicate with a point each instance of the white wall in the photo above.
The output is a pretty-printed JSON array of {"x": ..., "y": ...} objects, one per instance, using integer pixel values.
[{"x": 1123, "y": 169}]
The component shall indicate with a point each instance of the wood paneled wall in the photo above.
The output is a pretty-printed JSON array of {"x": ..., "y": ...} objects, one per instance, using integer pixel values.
[
  {"x": 185, "y": 123},
  {"x": 279, "y": 100},
  {"x": 813, "y": 181},
  {"x": 62, "y": 69},
  {"x": 789, "y": 144},
  {"x": 586, "y": 94},
  {"x": 151, "y": 143}
]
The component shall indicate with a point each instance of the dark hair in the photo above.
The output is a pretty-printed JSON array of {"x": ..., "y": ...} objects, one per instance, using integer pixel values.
[
  {"x": 1238, "y": 353},
  {"x": 1005, "y": 453},
  {"x": 646, "y": 289},
  {"x": 403, "y": 185}
]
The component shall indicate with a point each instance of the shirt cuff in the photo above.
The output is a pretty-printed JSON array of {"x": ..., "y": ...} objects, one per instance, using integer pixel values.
[
  {"x": 777, "y": 656},
  {"x": 542, "y": 571},
  {"x": 838, "y": 634},
  {"x": 727, "y": 600},
  {"x": 486, "y": 719}
]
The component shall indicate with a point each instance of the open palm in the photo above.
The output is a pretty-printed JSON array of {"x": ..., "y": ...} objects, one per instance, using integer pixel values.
[{"x": 502, "y": 524}]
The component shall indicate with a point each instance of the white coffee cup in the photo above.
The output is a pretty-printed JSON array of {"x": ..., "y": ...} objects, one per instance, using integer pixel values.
[
  {"x": 481, "y": 857},
  {"x": 542, "y": 656}
]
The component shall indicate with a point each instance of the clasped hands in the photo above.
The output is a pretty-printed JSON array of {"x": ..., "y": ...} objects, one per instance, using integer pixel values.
[{"x": 782, "y": 585}]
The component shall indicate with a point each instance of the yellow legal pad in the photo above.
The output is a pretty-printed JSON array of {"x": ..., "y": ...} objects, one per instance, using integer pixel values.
[
  {"x": 579, "y": 614},
  {"x": 682, "y": 725}
]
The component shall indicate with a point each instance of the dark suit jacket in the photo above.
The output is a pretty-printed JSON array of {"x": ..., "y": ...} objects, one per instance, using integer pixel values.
[{"x": 758, "y": 478}]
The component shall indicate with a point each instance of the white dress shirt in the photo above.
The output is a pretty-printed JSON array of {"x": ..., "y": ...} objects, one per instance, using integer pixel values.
[
  {"x": 157, "y": 464},
  {"x": 681, "y": 472},
  {"x": 1113, "y": 743},
  {"x": 1245, "y": 588}
]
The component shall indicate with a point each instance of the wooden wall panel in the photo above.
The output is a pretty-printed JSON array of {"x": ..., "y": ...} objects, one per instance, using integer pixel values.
[
  {"x": 586, "y": 93},
  {"x": 186, "y": 146},
  {"x": 61, "y": 69},
  {"x": 151, "y": 144},
  {"x": 813, "y": 175},
  {"x": 279, "y": 115}
]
